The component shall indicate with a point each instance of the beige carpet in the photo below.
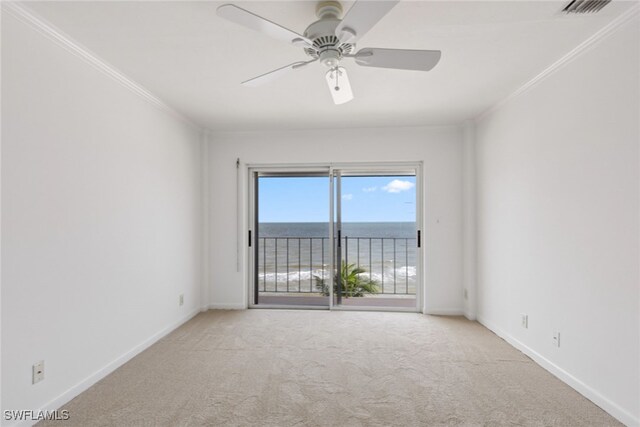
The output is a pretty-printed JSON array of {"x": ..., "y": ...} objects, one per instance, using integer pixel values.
[{"x": 295, "y": 368}]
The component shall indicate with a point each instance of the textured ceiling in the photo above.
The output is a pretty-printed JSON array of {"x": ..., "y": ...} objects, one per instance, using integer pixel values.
[{"x": 194, "y": 60}]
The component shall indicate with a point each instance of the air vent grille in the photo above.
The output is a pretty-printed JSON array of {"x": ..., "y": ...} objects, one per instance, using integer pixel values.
[{"x": 585, "y": 6}]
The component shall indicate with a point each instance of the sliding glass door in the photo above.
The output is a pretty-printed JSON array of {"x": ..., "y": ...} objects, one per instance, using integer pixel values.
[
  {"x": 292, "y": 250},
  {"x": 377, "y": 239},
  {"x": 340, "y": 238}
]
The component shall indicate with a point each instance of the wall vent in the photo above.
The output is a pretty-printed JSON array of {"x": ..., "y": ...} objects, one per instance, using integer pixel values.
[{"x": 585, "y": 6}]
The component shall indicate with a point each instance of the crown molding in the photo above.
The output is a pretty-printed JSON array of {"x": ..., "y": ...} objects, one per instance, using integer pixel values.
[
  {"x": 24, "y": 14},
  {"x": 581, "y": 49}
]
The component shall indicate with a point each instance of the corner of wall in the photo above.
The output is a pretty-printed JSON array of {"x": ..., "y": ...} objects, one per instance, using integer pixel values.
[
  {"x": 469, "y": 219},
  {"x": 205, "y": 140}
]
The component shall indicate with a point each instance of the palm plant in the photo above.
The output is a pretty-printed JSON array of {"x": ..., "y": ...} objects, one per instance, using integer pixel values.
[{"x": 353, "y": 283}]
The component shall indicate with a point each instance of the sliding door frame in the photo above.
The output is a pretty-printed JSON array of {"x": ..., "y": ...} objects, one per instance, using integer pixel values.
[
  {"x": 329, "y": 169},
  {"x": 255, "y": 172},
  {"x": 392, "y": 169}
]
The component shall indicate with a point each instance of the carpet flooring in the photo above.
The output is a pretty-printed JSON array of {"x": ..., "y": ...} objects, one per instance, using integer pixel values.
[{"x": 321, "y": 368}]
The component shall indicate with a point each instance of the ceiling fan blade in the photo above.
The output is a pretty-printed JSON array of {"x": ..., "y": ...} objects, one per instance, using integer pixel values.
[
  {"x": 252, "y": 21},
  {"x": 362, "y": 16},
  {"x": 275, "y": 74},
  {"x": 402, "y": 59},
  {"x": 339, "y": 85}
]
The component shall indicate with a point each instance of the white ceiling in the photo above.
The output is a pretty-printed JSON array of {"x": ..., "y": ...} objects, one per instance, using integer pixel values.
[{"x": 194, "y": 60}]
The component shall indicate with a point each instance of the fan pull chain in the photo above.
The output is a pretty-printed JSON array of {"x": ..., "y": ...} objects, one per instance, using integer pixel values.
[{"x": 337, "y": 88}]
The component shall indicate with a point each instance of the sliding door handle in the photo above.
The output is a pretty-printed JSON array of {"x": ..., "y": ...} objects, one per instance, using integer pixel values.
[{"x": 419, "y": 243}]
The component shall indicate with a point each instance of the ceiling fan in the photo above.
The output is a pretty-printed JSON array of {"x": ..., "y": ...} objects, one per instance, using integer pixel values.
[{"x": 331, "y": 39}]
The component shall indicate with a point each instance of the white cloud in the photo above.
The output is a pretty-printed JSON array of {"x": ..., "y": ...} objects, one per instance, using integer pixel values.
[
  {"x": 369, "y": 189},
  {"x": 347, "y": 196},
  {"x": 397, "y": 186}
]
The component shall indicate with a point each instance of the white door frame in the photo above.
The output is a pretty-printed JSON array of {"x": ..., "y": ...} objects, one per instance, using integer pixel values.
[{"x": 329, "y": 168}]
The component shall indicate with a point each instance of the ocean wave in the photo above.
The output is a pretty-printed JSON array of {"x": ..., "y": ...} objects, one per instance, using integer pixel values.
[{"x": 403, "y": 277}]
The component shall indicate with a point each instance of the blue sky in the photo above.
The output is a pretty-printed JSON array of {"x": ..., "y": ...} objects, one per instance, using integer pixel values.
[{"x": 364, "y": 199}]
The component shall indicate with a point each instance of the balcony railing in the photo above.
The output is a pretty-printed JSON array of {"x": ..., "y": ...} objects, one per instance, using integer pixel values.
[{"x": 291, "y": 264}]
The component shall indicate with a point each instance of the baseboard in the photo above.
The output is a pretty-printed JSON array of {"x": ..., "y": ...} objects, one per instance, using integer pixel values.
[
  {"x": 227, "y": 306},
  {"x": 444, "y": 311},
  {"x": 603, "y": 402},
  {"x": 83, "y": 385}
]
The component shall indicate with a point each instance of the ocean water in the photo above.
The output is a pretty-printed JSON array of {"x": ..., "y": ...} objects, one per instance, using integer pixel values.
[
  {"x": 291, "y": 255},
  {"x": 350, "y": 229}
]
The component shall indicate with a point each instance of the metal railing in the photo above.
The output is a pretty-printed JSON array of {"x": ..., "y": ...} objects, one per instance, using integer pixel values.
[{"x": 293, "y": 264}]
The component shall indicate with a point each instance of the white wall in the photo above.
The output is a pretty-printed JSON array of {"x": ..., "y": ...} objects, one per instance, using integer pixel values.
[
  {"x": 101, "y": 220},
  {"x": 439, "y": 148},
  {"x": 558, "y": 222}
]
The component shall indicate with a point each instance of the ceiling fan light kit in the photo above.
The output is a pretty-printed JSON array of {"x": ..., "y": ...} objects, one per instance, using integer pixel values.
[
  {"x": 339, "y": 86},
  {"x": 331, "y": 39}
]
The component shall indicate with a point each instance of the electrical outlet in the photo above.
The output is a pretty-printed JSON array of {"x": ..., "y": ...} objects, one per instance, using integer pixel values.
[
  {"x": 38, "y": 371},
  {"x": 524, "y": 320},
  {"x": 556, "y": 339},
  {"x": 181, "y": 299}
]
